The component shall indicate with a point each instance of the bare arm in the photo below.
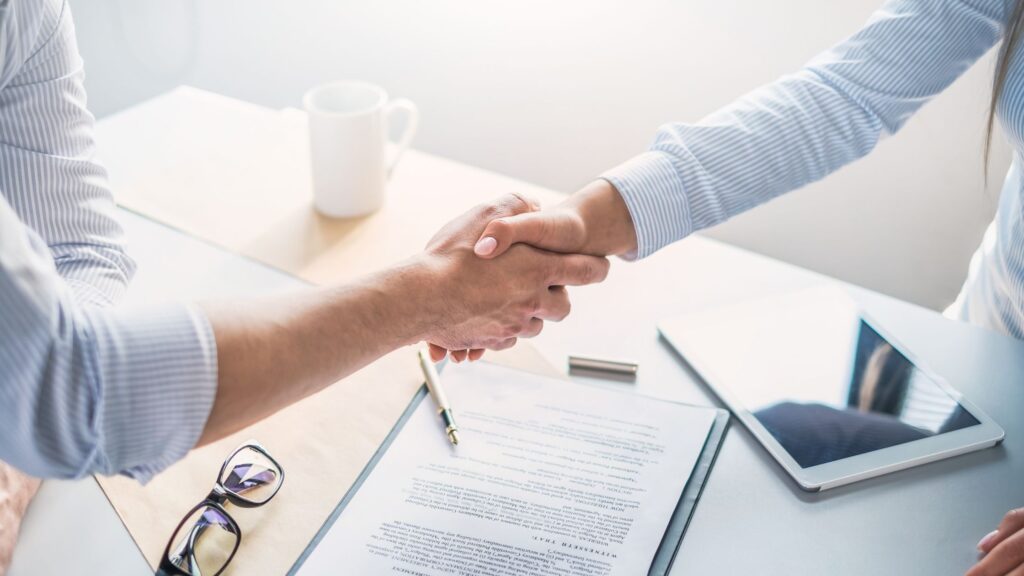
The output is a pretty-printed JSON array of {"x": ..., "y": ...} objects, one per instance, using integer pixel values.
[{"x": 271, "y": 354}]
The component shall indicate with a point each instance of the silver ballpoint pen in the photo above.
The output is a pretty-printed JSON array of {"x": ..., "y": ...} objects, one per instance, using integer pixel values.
[{"x": 437, "y": 393}]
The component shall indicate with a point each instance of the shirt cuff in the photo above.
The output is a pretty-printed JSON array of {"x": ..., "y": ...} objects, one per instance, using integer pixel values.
[
  {"x": 653, "y": 192},
  {"x": 159, "y": 374}
]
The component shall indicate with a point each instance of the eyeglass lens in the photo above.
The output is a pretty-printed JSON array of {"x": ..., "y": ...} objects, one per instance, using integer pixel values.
[
  {"x": 204, "y": 543},
  {"x": 251, "y": 475}
]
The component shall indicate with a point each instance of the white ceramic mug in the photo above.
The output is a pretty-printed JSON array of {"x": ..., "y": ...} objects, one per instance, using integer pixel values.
[{"x": 348, "y": 137}]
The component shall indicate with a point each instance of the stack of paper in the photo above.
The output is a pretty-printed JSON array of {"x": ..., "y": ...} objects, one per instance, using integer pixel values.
[{"x": 550, "y": 478}]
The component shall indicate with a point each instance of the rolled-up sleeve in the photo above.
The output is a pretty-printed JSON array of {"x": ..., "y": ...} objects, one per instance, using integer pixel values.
[
  {"x": 84, "y": 387},
  {"x": 806, "y": 125},
  {"x": 94, "y": 390}
]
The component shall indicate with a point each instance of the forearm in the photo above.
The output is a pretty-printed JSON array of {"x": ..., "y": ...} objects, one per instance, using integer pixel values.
[
  {"x": 274, "y": 353},
  {"x": 90, "y": 390}
]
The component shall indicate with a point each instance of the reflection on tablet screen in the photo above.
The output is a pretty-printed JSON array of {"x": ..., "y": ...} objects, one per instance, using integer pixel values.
[{"x": 888, "y": 401}]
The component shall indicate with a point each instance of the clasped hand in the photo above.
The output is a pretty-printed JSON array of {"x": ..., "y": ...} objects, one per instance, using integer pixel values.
[
  {"x": 488, "y": 303},
  {"x": 556, "y": 247}
]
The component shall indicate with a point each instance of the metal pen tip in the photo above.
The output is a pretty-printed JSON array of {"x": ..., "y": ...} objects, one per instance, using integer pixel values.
[{"x": 453, "y": 435}]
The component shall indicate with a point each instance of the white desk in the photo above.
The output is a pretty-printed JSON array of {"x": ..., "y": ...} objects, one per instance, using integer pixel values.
[
  {"x": 244, "y": 184},
  {"x": 751, "y": 519}
]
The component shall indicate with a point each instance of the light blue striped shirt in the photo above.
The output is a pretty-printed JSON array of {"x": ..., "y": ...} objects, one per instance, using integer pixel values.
[
  {"x": 809, "y": 124},
  {"x": 84, "y": 388}
]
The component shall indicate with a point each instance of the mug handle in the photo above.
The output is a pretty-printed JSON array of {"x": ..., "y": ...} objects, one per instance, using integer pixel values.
[{"x": 412, "y": 120}]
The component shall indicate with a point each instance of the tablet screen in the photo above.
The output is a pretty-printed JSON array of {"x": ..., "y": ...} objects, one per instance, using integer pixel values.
[{"x": 824, "y": 382}]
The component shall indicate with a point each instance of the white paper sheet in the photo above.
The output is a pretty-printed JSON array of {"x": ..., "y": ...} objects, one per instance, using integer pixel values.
[{"x": 551, "y": 478}]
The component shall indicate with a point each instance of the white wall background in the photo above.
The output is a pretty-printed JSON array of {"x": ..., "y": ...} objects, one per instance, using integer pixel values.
[{"x": 554, "y": 92}]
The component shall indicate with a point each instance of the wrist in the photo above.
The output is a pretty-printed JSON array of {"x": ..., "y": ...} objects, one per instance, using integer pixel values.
[
  {"x": 608, "y": 228},
  {"x": 414, "y": 293}
]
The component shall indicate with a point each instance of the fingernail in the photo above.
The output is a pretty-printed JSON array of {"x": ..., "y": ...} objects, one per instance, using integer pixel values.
[
  {"x": 485, "y": 246},
  {"x": 984, "y": 542}
]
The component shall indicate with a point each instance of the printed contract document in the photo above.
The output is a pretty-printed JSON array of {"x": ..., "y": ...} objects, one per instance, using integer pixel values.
[{"x": 550, "y": 478}]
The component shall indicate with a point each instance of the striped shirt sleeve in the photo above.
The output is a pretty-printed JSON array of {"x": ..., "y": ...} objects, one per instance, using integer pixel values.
[
  {"x": 94, "y": 390},
  {"x": 806, "y": 125},
  {"x": 50, "y": 175},
  {"x": 85, "y": 388}
]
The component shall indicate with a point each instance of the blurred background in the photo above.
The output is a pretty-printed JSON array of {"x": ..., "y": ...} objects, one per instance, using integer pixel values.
[{"x": 554, "y": 93}]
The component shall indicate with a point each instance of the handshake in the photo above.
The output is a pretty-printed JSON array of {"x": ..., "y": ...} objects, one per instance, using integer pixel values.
[{"x": 498, "y": 272}]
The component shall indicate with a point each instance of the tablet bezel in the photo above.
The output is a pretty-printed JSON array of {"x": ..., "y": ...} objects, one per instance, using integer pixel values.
[{"x": 678, "y": 331}]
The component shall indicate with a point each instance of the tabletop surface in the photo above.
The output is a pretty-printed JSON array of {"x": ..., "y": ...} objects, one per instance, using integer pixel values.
[{"x": 751, "y": 519}]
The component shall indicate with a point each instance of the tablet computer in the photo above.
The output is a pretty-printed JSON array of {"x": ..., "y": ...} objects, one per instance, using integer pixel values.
[{"x": 831, "y": 395}]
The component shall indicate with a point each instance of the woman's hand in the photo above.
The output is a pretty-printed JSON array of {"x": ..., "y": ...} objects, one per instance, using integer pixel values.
[
  {"x": 16, "y": 491},
  {"x": 593, "y": 221},
  {"x": 1003, "y": 548}
]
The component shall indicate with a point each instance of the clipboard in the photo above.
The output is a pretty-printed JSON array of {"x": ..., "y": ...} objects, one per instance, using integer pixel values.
[{"x": 666, "y": 553}]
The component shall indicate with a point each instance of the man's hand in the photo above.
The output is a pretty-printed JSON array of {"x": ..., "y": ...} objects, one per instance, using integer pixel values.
[
  {"x": 16, "y": 491},
  {"x": 488, "y": 303},
  {"x": 445, "y": 295},
  {"x": 593, "y": 221},
  {"x": 1003, "y": 548}
]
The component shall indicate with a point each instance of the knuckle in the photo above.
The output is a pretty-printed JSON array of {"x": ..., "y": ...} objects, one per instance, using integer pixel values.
[
  {"x": 489, "y": 210},
  {"x": 509, "y": 331},
  {"x": 523, "y": 327},
  {"x": 520, "y": 202},
  {"x": 1013, "y": 518},
  {"x": 510, "y": 204},
  {"x": 596, "y": 267},
  {"x": 587, "y": 269},
  {"x": 533, "y": 304}
]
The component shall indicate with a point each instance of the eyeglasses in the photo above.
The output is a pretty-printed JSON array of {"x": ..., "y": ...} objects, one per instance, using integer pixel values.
[{"x": 207, "y": 537}]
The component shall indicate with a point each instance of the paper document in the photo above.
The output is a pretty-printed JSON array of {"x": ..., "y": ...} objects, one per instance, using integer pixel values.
[{"x": 550, "y": 478}]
